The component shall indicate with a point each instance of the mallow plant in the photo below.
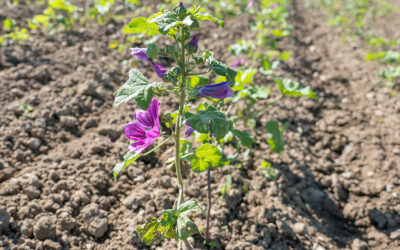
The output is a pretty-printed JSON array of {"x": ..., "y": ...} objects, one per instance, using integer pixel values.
[{"x": 189, "y": 79}]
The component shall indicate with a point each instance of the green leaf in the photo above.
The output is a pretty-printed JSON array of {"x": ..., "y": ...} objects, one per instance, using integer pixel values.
[
  {"x": 153, "y": 51},
  {"x": 289, "y": 88},
  {"x": 222, "y": 70},
  {"x": 138, "y": 88},
  {"x": 189, "y": 206},
  {"x": 159, "y": 228},
  {"x": 210, "y": 120},
  {"x": 199, "y": 81},
  {"x": 165, "y": 22},
  {"x": 207, "y": 156},
  {"x": 276, "y": 143},
  {"x": 373, "y": 56},
  {"x": 185, "y": 227},
  {"x": 141, "y": 25},
  {"x": 8, "y": 24},
  {"x": 205, "y": 16},
  {"x": 245, "y": 138},
  {"x": 128, "y": 159}
]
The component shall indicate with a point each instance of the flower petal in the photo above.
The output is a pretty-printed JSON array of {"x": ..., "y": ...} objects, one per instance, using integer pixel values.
[
  {"x": 218, "y": 91},
  {"x": 135, "y": 132},
  {"x": 160, "y": 71},
  {"x": 139, "y": 146},
  {"x": 140, "y": 53},
  {"x": 149, "y": 117}
]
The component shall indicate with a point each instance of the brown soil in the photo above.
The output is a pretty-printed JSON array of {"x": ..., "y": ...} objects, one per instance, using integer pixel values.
[{"x": 337, "y": 182}]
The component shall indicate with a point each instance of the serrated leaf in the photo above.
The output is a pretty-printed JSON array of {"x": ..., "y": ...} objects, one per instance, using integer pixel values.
[
  {"x": 222, "y": 69},
  {"x": 138, "y": 88},
  {"x": 159, "y": 228},
  {"x": 210, "y": 120},
  {"x": 141, "y": 25},
  {"x": 166, "y": 22},
  {"x": 276, "y": 143},
  {"x": 189, "y": 206},
  {"x": 245, "y": 138},
  {"x": 290, "y": 88},
  {"x": 185, "y": 227},
  {"x": 207, "y": 156},
  {"x": 128, "y": 159}
]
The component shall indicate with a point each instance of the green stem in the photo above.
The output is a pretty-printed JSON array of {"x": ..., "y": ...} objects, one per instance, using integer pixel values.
[
  {"x": 179, "y": 123},
  {"x": 182, "y": 99}
]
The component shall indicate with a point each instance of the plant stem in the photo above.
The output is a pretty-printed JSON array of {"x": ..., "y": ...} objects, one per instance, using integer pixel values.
[
  {"x": 182, "y": 99},
  {"x": 208, "y": 205}
]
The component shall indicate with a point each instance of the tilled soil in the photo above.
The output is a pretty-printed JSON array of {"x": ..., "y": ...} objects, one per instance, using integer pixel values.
[{"x": 337, "y": 183}]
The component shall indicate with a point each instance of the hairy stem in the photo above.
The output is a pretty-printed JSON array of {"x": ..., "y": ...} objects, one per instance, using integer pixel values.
[
  {"x": 208, "y": 205},
  {"x": 182, "y": 99}
]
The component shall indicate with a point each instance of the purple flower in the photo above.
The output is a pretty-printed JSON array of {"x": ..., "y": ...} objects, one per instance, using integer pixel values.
[
  {"x": 250, "y": 4},
  {"x": 194, "y": 43},
  {"x": 180, "y": 3},
  {"x": 189, "y": 131},
  {"x": 238, "y": 62},
  {"x": 217, "y": 91},
  {"x": 273, "y": 6},
  {"x": 140, "y": 53},
  {"x": 146, "y": 129},
  {"x": 160, "y": 71}
]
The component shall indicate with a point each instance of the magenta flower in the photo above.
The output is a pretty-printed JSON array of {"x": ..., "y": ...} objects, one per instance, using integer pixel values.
[
  {"x": 146, "y": 129},
  {"x": 140, "y": 53},
  {"x": 273, "y": 6},
  {"x": 160, "y": 71},
  {"x": 194, "y": 43},
  {"x": 250, "y": 4},
  {"x": 238, "y": 62},
  {"x": 217, "y": 91}
]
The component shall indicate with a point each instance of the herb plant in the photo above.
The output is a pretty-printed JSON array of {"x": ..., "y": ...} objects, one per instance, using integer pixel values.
[{"x": 187, "y": 82}]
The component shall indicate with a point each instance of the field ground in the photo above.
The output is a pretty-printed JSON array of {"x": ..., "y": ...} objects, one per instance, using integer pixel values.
[{"x": 337, "y": 184}]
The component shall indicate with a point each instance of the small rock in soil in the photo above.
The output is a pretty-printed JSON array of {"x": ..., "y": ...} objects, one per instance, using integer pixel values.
[
  {"x": 112, "y": 133},
  {"x": 4, "y": 220},
  {"x": 51, "y": 245},
  {"x": 359, "y": 245},
  {"x": 69, "y": 121},
  {"x": 26, "y": 227},
  {"x": 133, "y": 201},
  {"x": 395, "y": 235},
  {"x": 299, "y": 227},
  {"x": 91, "y": 122},
  {"x": 34, "y": 143},
  {"x": 378, "y": 218},
  {"x": 45, "y": 227},
  {"x": 96, "y": 220}
]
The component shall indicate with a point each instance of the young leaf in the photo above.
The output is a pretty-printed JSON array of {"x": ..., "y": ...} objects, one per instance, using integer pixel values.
[
  {"x": 207, "y": 156},
  {"x": 245, "y": 138},
  {"x": 128, "y": 159},
  {"x": 185, "y": 227},
  {"x": 141, "y": 25},
  {"x": 222, "y": 70},
  {"x": 165, "y": 22},
  {"x": 289, "y": 88},
  {"x": 189, "y": 206},
  {"x": 205, "y": 16},
  {"x": 158, "y": 228},
  {"x": 276, "y": 143},
  {"x": 210, "y": 120},
  {"x": 138, "y": 88}
]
